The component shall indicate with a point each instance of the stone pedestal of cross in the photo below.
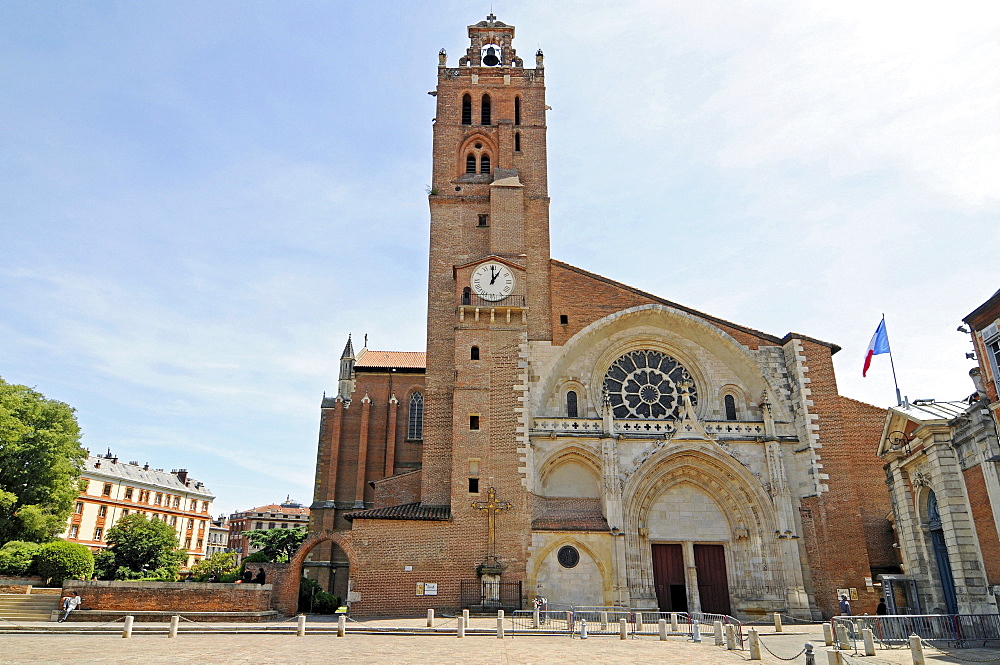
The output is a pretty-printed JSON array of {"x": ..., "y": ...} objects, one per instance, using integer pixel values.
[{"x": 491, "y": 568}]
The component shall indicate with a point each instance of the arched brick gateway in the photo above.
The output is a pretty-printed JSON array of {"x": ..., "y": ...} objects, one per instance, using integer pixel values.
[{"x": 285, "y": 576}]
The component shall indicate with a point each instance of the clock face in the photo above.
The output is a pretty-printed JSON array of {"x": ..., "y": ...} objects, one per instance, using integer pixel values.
[{"x": 492, "y": 281}]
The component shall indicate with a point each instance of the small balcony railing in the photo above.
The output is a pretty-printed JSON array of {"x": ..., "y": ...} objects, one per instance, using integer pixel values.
[{"x": 473, "y": 300}]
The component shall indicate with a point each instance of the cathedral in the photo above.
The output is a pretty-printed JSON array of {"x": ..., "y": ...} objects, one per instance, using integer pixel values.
[{"x": 572, "y": 437}]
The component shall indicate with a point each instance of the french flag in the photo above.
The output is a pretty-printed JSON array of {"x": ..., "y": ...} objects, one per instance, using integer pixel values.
[{"x": 879, "y": 344}]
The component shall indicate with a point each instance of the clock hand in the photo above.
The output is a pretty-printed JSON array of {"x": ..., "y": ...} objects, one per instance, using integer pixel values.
[{"x": 495, "y": 275}]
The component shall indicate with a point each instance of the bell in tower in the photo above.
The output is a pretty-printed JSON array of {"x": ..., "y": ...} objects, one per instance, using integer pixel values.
[{"x": 490, "y": 59}]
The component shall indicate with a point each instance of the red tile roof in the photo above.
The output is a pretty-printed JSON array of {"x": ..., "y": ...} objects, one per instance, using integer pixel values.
[
  {"x": 388, "y": 359},
  {"x": 567, "y": 514},
  {"x": 407, "y": 511}
]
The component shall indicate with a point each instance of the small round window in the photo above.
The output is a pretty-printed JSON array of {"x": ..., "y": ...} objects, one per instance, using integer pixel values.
[{"x": 568, "y": 556}]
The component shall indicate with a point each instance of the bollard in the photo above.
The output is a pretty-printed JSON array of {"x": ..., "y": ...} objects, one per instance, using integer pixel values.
[
  {"x": 777, "y": 622},
  {"x": 535, "y": 619},
  {"x": 127, "y": 630},
  {"x": 842, "y": 637},
  {"x": 869, "y": 638},
  {"x": 754, "y": 645},
  {"x": 638, "y": 622},
  {"x": 430, "y": 618},
  {"x": 623, "y": 629},
  {"x": 499, "y": 614},
  {"x": 916, "y": 650},
  {"x": 301, "y": 630},
  {"x": 663, "y": 629},
  {"x": 718, "y": 633},
  {"x": 696, "y": 632},
  {"x": 583, "y": 629},
  {"x": 833, "y": 658},
  {"x": 500, "y": 625},
  {"x": 674, "y": 628},
  {"x": 828, "y": 634},
  {"x": 604, "y": 621},
  {"x": 341, "y": 625},
  {"x": 730, "y": 637},
  {"x": 810, "y": 656},
  {"x": 461, "y": 626},
  {"x": 465, "y": 615},
  {"x": 174, "y": 622}
]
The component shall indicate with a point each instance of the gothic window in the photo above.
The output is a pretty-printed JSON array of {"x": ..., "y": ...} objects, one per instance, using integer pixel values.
[
  {"x": 470, "y": 163},
  {"x": 415, "y": 430},
  {"x": 730, "y": 402},
  {"x": 486, "y": 111},
  {"x": 517, "y": 141},
  {"x": 475, "y": 353},
  {"x": 517, "y": 110},
  {"x": 467, "y": 109},
  {"x": 467, "y": 296},
  {"x": 647, "y": 384},
  {"x": 484, "y": 164},
  {"x": 571, "y": 408}
]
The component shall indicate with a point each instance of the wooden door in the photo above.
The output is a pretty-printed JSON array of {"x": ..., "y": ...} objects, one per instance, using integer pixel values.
[
  {"x": 713, "y": 583},
  {"x": 668, "y": 578}
]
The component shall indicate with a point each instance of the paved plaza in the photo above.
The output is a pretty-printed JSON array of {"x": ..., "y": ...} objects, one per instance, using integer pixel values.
[{"x": 82, "y": 644}]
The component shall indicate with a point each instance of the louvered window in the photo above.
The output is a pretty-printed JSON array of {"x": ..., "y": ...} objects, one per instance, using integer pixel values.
[
  {"x": 484, "y": 164},
  {"x": 470, "y": 163},
  {"x": 486, "y": 111},
  {"x": 467, "y": 110}
]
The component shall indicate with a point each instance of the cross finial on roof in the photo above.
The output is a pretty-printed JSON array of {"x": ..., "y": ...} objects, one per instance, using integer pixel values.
[{"x": 491, "y": 17}]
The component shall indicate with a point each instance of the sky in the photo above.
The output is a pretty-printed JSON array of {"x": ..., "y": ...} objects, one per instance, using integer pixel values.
[{"x": 200, "y": 201}]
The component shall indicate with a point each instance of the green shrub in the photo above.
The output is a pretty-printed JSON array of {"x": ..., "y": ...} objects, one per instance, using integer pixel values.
[
  {"x": 314, "y": 600},
  {"x": 256, "y": 557},
  {"x": 60, "y": 560},
  {"x": 18, "y": 558}
]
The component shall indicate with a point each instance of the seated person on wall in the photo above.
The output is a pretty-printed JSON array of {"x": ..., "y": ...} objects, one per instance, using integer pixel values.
[{"x": 70, "y": 603}]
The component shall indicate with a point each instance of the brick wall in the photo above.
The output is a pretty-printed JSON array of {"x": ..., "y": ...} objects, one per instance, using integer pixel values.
[
  {"x": 845, "y": 528},
  {"x": 605, "y": 296},
  {"x": 982, "y": 515},
  {"x": 171, "y": 596},
  {"x": 398, "y": 490}
]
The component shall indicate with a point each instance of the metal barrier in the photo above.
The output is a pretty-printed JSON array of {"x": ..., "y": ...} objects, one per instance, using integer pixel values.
[
  {"x": 708, "y": 618},
  {"x": 607, "y": 621},
  {"x": 957, "y": 629}
]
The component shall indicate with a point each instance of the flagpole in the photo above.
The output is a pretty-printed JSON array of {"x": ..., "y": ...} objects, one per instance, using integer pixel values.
[{"x": 899, "y": 400}]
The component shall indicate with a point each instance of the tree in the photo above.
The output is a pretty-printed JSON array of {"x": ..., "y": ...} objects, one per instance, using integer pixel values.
[
  {"x": 139, "y": 548},
  {"x": 277, "y": 544},
  {"x": 40, "y": 463},
  {"x": 60, "y": 560},
  {"x": 220, "y": 564},
  {"x": 17, "y": 558}
]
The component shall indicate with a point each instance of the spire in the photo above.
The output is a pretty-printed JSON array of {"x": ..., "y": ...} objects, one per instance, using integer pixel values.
[{"x": 345, "y": 385}]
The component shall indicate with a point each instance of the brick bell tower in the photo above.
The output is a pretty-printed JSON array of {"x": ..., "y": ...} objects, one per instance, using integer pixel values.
[{"x": 488, "y": 287}]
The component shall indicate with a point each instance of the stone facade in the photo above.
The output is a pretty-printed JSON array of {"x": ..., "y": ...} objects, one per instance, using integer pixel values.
[
  {"x": 941, "y": 467},
  {"x": 642, "y": 453}
]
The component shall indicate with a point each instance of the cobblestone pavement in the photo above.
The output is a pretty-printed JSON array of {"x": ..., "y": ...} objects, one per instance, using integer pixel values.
[{"x": 60, "y": 645}]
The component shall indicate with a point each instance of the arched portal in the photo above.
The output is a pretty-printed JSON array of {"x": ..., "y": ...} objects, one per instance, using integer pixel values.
[
  {"x": 285, "y": 597},
  {"x": 706, "y": 520}
]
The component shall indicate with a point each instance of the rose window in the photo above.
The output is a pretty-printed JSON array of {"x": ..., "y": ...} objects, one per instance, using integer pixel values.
[{"x": 647, "y": 385}]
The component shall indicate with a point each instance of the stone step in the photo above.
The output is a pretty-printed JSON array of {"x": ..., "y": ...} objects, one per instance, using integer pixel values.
[{"x": 16, "y": 607}]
